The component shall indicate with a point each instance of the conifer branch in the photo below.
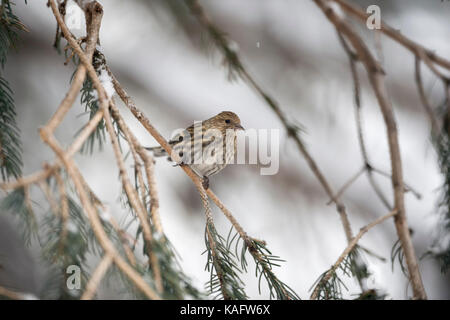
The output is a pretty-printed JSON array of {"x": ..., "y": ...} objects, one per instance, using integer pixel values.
[
  {"x": 255, "y": 249},
  {"x": 148, "y": 167},
  {"x": 293, "y": 131},
  {"x": 168, "y": 281},
  {"x": 18, "y": 202},
  {"x": 130, "y": 191},
  {"x": 227, "y": 282},
  {"x": 440, "y": 132},
  {"x": 376, "y": 78},
  {"x": 286, "y": 293},
  {"x": 10, "y": 143},
  {"x": 347, "y": 250},
  {"x": 142, "y": 215},
  {"x": 93, "y": 14}
]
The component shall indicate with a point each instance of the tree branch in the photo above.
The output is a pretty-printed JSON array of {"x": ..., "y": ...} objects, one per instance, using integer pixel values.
[
  {"x": 376, "y": 79},
  {"x": 349, "y": 248},
  {"x": 96, "y": 277}
]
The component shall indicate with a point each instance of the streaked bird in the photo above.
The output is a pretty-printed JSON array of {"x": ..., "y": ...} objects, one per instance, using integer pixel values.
[{"x": 207, "y": 146}]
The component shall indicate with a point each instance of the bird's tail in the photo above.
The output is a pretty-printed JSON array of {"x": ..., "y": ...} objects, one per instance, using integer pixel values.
[{"x": 157, "y": 151}]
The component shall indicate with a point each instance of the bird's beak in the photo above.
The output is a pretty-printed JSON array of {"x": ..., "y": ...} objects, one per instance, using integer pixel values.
[{"x": 239, "y": 127}]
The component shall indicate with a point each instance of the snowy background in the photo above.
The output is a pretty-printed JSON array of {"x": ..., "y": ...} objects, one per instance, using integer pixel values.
[{"x": 158, "y": 53}]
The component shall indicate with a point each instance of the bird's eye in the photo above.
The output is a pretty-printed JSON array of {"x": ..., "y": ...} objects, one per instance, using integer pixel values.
[
  {"x": 227, "y": 121},
  {"x": 180, "y": 138}
]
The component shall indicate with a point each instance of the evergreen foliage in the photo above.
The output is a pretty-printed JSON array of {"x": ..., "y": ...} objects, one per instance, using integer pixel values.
[
  {"x": 10, "y": 144},
  {"x": 352, "y": 266}
]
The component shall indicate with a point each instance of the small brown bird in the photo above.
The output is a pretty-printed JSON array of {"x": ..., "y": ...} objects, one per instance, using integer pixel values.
[{"x": 207, "y": 146}]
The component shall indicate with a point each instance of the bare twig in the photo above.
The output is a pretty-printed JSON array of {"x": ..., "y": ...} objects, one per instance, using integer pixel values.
[
  {"x": 376, "y": 78},
  {"x": 347, "y": 184},
  {"x": 353, "y": 58},
  {"x": 407, "y": 187},
  {"x": 395, "y": 35}
]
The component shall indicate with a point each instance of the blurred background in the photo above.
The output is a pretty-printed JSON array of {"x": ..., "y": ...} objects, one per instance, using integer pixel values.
[{"x": 159, "y": 54}]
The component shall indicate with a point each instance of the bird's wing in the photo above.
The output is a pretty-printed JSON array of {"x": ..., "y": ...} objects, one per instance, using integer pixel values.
[{"x": 199, "y": 136}]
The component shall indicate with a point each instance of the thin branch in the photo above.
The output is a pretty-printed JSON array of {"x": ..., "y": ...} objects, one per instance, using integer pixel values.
[
  {"x": 212, "y": 243},
  {"x": 353, "y": 59},
  {"x": 96, "y": 277},
  {"x": 395, "y": 35},
  {"x": 71, "y": 150},
  {"x": 347, "y": 184},
  {"x": 130, "y": 191},
  {"x": 148, "y": 166},
  {"x": 407, "y": 187},
  {"x": 349, "y": 248},
  {"x": 26, "y": 191},
  {"x": 132, "y": 141},
  {"x": 249, "y": 242},
  {"x": 93, "y": 14},
  {"x": 376, "y": 79},
  {"x": 292, "y": 130},
  {"x": 93, "y": 30},
  {"x": 126, "y": 240},
  {"x": 93, "y": 216},
  {"x": 147, "y": 125},
  {"x": 48, "y": 195},
  {"x": 228, "y": 215}
]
